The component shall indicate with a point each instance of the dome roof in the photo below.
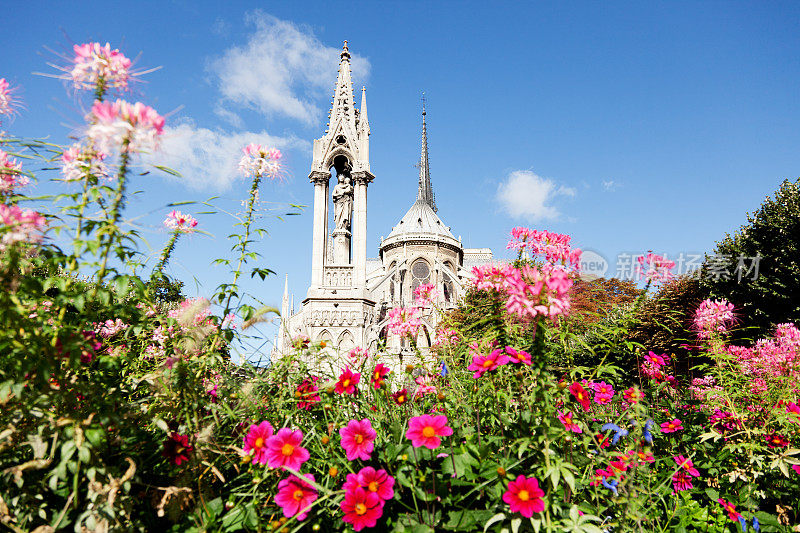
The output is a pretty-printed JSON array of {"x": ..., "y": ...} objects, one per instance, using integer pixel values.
[{"x": 421, "y": 222}]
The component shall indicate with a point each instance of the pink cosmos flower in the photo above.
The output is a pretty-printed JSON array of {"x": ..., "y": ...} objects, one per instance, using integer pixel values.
[
  {"x": 793, "y": 409},
  {"x": 581, "y": 395},
  {"x": 99, "y": 65},
  {"x": 8, "y": 102},
  {"x": 295, "y": 496},
  {"x": 19, "y": 225},
  {"x": 177, "y": 448},
  {"x": 603, "y": 392},
  {"x": 425, "y": 430},
  {"x": 379, "y": 375},
  {"x": 11, "y": 175},
  {"x": 654, "y": 268},
  {"x": 425, "y": 385},
  {"x": 121, "y": 125},
  {"x": 524, "y": 496},
  {"x": 518, "y": 356},
  {"x": 681, "y": 481},
  {"x": 632, "y": 395},
  {"x": 358, "y": 439},
  {"x": 255, "y": 442},
  {"x": 731, "y": 509},
  {"x": 362, "y": 508},
  {"x": 568, "y": 422},
  {"x": 424, "y": 295},
  {"x": 347, "y": 382},
  {"x": 283, "y": 449},
  {"x": 261, "y": 161},
  {"x": 672, "y": 426},
  {"x": 777, "y": 441},
  {"x": 796, "y": 468},
  {"x": 307, "y": 393},
  {"x": 486, "y": 363},
  {"x": 179, "y": 222},
  {"x": 404, "y": 321},
  {"x": 371, "y": 480},
  {"x": 687, "y": 465}
]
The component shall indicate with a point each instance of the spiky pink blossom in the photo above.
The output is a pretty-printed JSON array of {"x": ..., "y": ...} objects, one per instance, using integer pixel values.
[
  {"x": 19, "y": 225},
  {"x": 425, "y": 295},
  {"x": 261, "y": 161},
  {"x": 361, "y": 508},
  {"x": 8, "y": 102},
  {"x": 446, "y": 337},
  {"x": 97, "y": 64},
  {"x": 180, "y": 222},
  {"x": 123, "y": 126},
  {"x": 687, "y": 465},
  {"x": 11, "y": 175},
  {"x": 405, "y": 321},
  {"x": 554, "y": 248},
  {"x": 713, "y": 317},
  {"x": 425, "y": 385},
  {"x": 654, "y": 268},
  {"x": 78, "y": 162}
]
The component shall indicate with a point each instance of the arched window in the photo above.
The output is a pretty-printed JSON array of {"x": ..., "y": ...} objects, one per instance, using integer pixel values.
[
  {"x": 448, "y": 288},
  {"x": 420, "y": 274}
]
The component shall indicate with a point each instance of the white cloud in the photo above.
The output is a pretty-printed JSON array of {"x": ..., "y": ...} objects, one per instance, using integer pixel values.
[
  {"x": 610, "y": 185},
  {"x": 529, "y": 196},
  {"x": 283, "y": 69},
  {"x": 208, "y": 159}
]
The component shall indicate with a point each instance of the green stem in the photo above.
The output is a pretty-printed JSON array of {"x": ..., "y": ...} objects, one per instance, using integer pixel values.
[
  {"x": 248, "y": 221},
  {"x": 116, "y": 208}
]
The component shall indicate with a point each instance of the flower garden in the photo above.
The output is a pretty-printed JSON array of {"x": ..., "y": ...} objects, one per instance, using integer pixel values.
[{"x": 120, "y": 408}]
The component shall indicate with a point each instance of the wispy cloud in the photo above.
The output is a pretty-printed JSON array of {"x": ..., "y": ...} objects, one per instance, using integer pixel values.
[
  {"x": 283, "y": 69},
  {"x": 528, "y": 196},
  {"x": 610, "y": 185},
  {"x": 207, "y": 159}
]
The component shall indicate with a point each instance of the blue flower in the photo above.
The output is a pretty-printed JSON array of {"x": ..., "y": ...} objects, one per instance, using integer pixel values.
[
  {"x": 618, "y": 432},
  {"x": 611, "y": 485},
  {"x": 743, "y": 523},
  {"x": 445, "y": 370},
  {"x": 646, "y": 431},
  {"x": 756, "y": 525}
]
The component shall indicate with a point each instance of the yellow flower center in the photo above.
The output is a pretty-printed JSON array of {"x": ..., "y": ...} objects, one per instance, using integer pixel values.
[
  {"x": 487, "y": 363},
  {"x": 346, "y": 383},
  {"x": 298, "y": 495},
  {"x": 401, "y": 398},
  {"x": 523, "y": 495},
  {"x": 359, "y": 439},
  {"x": 428, "y": 432},
  {"x": 373, "y": 486},
  {"x": 287, "y": 449},
  {"x": 259, "y": 443},
  {"x": 361, "y": 509}
]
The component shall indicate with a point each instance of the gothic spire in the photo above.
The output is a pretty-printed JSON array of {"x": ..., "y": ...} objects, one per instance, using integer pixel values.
[
  {"x": 425, "y": 190},
  {"x": 342, "y": 105}
]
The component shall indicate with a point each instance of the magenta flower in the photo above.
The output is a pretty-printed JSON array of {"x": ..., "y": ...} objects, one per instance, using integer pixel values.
[
  {"x": 96, "y": 64},
  {"x": 358, "y": 439},
  {"x": 681, "y": 481},
  {"x": 687, "y": 465},
  {"x": 569, "y": 423},
  {"x": 121, "y": 125},
  {"x": 713, "y": 316},
  {"x": 283, "y": 449},
  {"x": 524, "y": 496},
  {"x": 347, "y": 382},
  {"x": 777, "y": 441},
  {"x": 603, "y": 392},
  {"x": 731, "y": 509},
  {"x": 307, "y": 393},
  {"x": 425, "y": 430},
  {"x": 654, "y": 268},
  {"x": 581, "y": 395},
  {"x": 177, "y": 221},
  {"x": 8, "y": 102},
  {"x": 11, "y": 175},
  {"x": 632, "y": 395},
  {"x": 19, "y": 225},
  {"x": 177, "y": 448},
  {"x": 255, "y": 442},
  {"x": 672, "y": 426},
  {"x": 261, "y": 161},
  {"x": 362, "y": 508},
  {"x": 379, "y": 375},
  {"x": 425, "y": 294},
  {"x": 371, "y": 480},
  {"x": 486, "y": 363},
  {"x": 518, "y": 356},
  {"x": 295, "y": 496}
]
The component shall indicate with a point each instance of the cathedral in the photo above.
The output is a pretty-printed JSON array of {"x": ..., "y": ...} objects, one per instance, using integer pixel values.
[{"x": 349, "y": 295}]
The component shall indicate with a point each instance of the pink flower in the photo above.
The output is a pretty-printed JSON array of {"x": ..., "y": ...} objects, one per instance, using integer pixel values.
[
  {"x": 358, "y": 439},
  {"x": 793, "y": 409},
  {"x": 307, "y": 393},
  {"x": 255, "y": 442},
  {"x": 581, "y": 395},
  {"x": 632, "y": 395},
  {"x": 404, "y": 321},
  {"x": 524, "y": 496},
  {"x": 731, "y": 509},
  {"x": 425, "y": 385},
  {"x": 77, "y": 163},
  {"x": 654, "y": 268},
  {"x": 295, "y": 496},
  {"x": 569, "y": 423},
  {"x": 347, "y": 382},
  {"x": 371, "y": 480},
  {"x": 446, "y": 337},
  {"x": 11, "y": 175},
  {"x": 486, "y": 363},
  {"x": 179, "y": 222},
  {"x": 424, "y": 295},
  {"x": 796, "y": 468},
  {"x": 358, "y": 355},
  {"x": 713, "y": 316},
  {"x": 261, "y": 161},
  {"x": 518, "y": 356},
  {"x": 362, "y": 508},
  {"x": 283, "y": 449},
  {"x": 603, "y": 392},
  {"x": 177, "y": 448},
  {"x": 8, "y": 102},
  {"x": 672, "y": 426},
  {"x": 553, "y": 247},
  {"x": 19, "y": 225},
  {"x": 121, "y": 125},
  {"x": 681, "y": 481},
  {"x": 425, "y": 430},
  {"x": 777, "y": 441},
  {"x": 379, "y": 375},
  {"x": 687, "y": 465},
  {"x": 97, "y": 65}
]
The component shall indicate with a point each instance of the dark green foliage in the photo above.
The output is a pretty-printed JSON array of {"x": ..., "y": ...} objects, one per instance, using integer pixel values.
[{"x": 773, "y": 233}]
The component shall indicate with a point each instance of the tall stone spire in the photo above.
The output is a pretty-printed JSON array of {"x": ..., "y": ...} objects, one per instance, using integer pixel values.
[
  {"x": 425, "y": 189},
  {"x": 343, "y": 107}
]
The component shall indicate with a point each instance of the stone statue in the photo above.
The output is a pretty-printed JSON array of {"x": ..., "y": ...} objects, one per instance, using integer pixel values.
[{"x": 342, "y": 203}]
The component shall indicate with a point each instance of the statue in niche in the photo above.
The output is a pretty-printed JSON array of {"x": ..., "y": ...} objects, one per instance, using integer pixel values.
[{"x": 342, "y": 194}]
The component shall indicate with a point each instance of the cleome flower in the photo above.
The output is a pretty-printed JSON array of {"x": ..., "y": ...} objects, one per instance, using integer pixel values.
[
  {"x": 404, "y": 321},
  {"x": 11, "y": 175},
  {"x": 19, "y": 225},
  {"x": 96, "y": 64},
  {"x": 179, "y": 222},
  {"x": 8, "y": 102},
  {"x": 261, "y": 161},
  {"x": 654, "y": 268},
  {"x": 128, "y": 127}
]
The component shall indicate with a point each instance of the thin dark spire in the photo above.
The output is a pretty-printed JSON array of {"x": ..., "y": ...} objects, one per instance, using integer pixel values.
[{"x": 425, "y": 189}]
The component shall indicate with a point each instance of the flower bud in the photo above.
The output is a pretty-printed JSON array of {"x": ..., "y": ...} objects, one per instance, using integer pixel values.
[
  {"x": 333, "y": 472},
  {"x": 440, "y": 396},
  {"x": 410, "y": 368},
  {"x": 501, "y": 471},
  {"x": 325, "y": 440}
]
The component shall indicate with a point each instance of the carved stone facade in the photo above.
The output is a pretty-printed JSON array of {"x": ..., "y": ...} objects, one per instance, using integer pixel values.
[{"x": 349, "y": 295}]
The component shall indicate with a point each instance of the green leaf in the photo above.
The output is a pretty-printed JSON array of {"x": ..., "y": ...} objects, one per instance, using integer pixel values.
[
  {"x": 493, "y": 520},
  {"x": 515, "y": 523},
  {"x": 171, "y": 172}
]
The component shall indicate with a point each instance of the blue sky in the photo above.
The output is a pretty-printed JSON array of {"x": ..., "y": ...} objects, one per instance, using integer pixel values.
[{"x": 631, "y": 126}]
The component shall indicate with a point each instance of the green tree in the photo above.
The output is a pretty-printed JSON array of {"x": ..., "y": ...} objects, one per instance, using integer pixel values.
[{"x": 773, "y": 235}]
